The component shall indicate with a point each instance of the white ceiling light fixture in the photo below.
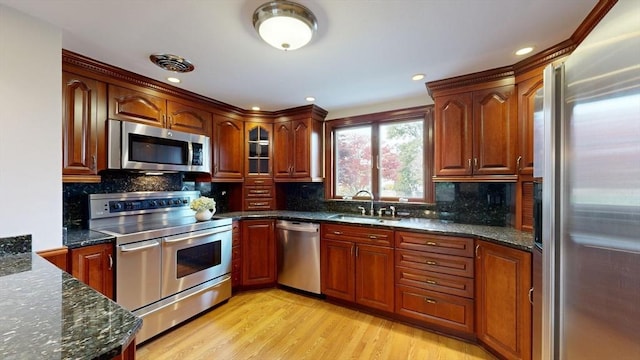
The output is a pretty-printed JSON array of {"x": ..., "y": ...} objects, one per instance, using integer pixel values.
[
  {"x": 285, "y": 25},
  {"x": 524, "y": 51},
  {"x": 417, "y": 77},
  {"x": 310, "y": 99},
  {"x": 174, "y": 80}
]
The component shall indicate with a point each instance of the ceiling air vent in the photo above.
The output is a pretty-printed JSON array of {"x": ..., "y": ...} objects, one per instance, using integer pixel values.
[{"x": 172, "y": 62}]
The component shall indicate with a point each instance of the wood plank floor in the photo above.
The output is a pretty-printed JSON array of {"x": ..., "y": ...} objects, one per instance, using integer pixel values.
[{"x": 277, "y": 324}]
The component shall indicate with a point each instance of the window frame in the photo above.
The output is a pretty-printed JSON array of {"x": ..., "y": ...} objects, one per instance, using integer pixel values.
[{"x": 375, "y": 120}]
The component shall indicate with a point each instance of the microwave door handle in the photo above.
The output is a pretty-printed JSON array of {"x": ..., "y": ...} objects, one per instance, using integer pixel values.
[{"x": 190, "y": 160}]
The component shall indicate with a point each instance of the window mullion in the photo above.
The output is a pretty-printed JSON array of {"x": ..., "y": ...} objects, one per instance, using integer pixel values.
[{"x": 375, "y": 163}]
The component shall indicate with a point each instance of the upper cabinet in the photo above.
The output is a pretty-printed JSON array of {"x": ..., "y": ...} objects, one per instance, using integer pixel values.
[
  {"x": 528, "y": 91},
  {"x": 151, "y": 108},
  {"x": 228, "y": 148},
  {"x": 475, "y": 134},
  {"x": 298, "y": 145},
  {"x": 259, "y": 149},
  {"x": 84, "y": 113}
]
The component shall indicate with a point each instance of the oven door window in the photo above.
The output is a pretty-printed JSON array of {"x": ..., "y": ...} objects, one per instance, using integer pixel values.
[
  {"x": 155, "y": 150},
  {"x": 198, "y": 258}
]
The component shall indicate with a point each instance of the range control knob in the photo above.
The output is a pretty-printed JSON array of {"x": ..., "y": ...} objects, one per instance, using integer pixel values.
[
  {"x": 163, "y": 203},
  {"x": 153, "y": 203},
  {"x": 116, "y": 206}
]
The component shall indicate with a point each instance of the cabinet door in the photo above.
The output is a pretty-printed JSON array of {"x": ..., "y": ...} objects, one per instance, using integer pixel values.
[
  {"x": 258, "y": 253},
  {"x": 259, "y": 149},
  {"x": 503, "y": 280},
  {"x": 228, "y": 148},
  {"x": 188, "y": 119},
  {"x": 495, "y": 131},
  {"x": 337, "y": 269},
  {"x": 83, "y": 105},
  {"x": 453, "y": 135},
  {"x": 374, "y": 277},
  {"x": 283, "y": 150},
  {"x": 527, "y": 93},
  {"x": 536, "y": 343},
  {"x": 131, "y": 105},
  {"x": 301, "y": 148},
  {"x": 93, "y": 265}
]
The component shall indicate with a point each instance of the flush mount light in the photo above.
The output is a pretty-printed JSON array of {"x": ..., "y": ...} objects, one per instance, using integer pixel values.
[
  {"x": 174, "y": 80},
  {"x": 284, "y": 25},
  {"x": 255, "y": 108},
  {"x": 417, "y": 77},
  {"x": 524, "y": 51},
  {"x": 172, "y": 62},
  {"x": 310, "y": 99}
]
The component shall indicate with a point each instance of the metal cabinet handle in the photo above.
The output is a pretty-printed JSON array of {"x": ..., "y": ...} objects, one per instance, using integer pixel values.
[
  {"x": 476, "y": 251},
  {"x": 432, "y": 282},
  {"x": 259, "y": 182},
  {"x": 164, "y": 119},
  {"x": 337, "y": 233},
  {"x": 356, "y": 251},
  {"x": 518, "y": 168},
  {"x": 430, "y": 301},
  {"x": 259, "y": 204},
  {"x": 110, "y": 261},
  {"x": 469, "y": 163},
  {"x": 431, "y": 243},
  {"x": 93, "y": 162},
  {"x": 258, "y": 191},
  {"x": 531, "y": 296},
  {"x": 215, "y": 169},
  {"x": 372, "y": 237},
  {"x": 429, "y": 262},
  {"x": 351, "y": 250},
  {"x": 475, "y": 163}
]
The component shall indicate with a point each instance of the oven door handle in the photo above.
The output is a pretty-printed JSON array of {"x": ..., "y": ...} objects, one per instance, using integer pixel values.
[
  {"x": 130, "y": 248},
  {"x": 194, "y": 236}
]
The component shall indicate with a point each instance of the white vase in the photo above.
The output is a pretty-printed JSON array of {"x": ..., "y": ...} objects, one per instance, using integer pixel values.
[{"x": 204, "y": 215}]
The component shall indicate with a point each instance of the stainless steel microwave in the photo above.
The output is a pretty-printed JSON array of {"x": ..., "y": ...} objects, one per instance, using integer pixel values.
[{"x": 133, "y": 146}]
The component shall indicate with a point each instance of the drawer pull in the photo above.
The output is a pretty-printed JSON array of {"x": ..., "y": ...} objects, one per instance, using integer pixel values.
[
  {"x": 260, "y": 204},
  {"x": 259, "y": 182},
  {"x": 432, "y": 282},
  {"x": 430, "y": 301},
  {"x": 337, "y": 232},
  {"x": 373, "y": 237},
  {"x": 259, "y": 191},
  {"x": 431, "y": 243},
  {"x": 429, "y": 262}
]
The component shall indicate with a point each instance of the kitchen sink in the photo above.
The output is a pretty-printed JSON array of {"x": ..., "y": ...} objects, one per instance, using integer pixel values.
[{"x": 364, "y": 219}]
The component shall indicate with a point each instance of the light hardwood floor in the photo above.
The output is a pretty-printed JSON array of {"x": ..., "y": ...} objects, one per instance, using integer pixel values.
[{"x": 277, "y": 324}]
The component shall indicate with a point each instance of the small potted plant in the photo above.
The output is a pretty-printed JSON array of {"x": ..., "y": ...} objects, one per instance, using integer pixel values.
[{"x": 204, "y": 207}]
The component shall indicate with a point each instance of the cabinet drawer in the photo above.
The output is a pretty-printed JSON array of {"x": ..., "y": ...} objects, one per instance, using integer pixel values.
[
  {"x": 258, "y": 204},
  {"x": 258, "y": 192},
  {"x": 258, "y": 182},
  {"x": 446, "y": 264},
  {"x": 428, "y": 280},
  {"x": 449, "y": 245},
  {"x": 369, "y": 235},
  {"x": 448, "y": 311}
]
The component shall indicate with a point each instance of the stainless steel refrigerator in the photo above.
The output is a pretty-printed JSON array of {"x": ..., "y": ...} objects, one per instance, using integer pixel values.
[{"x": 591, "y": 194}]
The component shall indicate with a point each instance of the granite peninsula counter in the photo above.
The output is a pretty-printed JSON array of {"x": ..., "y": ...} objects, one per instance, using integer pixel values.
[{"x": 45, "y": 313}]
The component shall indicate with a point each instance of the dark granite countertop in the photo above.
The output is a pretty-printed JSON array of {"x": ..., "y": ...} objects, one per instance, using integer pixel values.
[
  {"x": 45, "y": 313},
  {"x": 76, "y": 238},
  {"x": 497, "y": 234}
]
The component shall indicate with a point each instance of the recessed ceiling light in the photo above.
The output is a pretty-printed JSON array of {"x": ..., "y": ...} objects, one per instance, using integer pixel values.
[
  {"x": 524, "y": 51},
  {"x": 417, "y": 77},
  {"x": 310, "y": 98},
  {"x": 173, "y": 80},
  {"x": 255, "y": 108}
]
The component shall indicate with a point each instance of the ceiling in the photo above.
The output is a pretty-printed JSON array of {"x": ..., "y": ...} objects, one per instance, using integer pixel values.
[{"x": 361, "y": 59}]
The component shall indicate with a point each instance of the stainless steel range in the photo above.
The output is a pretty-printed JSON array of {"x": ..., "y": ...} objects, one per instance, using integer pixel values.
[{"x": 169, "y": 267}]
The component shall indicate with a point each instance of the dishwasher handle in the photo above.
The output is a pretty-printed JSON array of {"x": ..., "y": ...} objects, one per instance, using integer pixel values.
[{"x": 298, "y": 226}]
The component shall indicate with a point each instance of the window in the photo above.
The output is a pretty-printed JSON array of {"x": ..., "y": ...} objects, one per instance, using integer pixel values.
[{"x": 388, "y": 154}]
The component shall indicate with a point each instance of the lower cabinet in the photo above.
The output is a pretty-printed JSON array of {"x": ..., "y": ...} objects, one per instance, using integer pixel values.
[
  {"x": 356, "y": 266},
  {"x": 258, "y": 252},
  {"x": 236, "y": 256},
  {"x": 434, "y": 277},
  {"x": 503, "y": 308},
  {"x": 93, "y": 265}
]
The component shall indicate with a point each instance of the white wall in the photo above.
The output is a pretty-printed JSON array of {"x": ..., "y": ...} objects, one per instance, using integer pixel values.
[{"x": 30, "y": 129}]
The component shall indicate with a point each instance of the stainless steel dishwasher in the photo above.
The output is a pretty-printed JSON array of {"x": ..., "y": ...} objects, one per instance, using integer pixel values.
[{"x": 299, "y": 255}]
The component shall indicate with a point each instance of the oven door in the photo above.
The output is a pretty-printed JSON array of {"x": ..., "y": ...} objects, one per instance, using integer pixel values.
[
  {"x": 138, "y": 273},
  {"x": 192, "y": 258}
]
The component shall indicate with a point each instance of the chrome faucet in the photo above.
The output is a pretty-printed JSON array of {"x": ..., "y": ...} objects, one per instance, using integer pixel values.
[{"x": 371, "y": 211}]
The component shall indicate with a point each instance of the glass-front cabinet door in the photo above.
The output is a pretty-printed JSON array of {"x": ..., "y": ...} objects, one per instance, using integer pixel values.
[{"x": 259, "y": 149}]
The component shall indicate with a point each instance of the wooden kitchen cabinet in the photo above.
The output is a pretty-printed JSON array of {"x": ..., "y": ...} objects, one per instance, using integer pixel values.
[
  {"x": 84, "y": 113},
  {"x": 228, "y": 149},
  {"x": 357, "y": 265},
  {"x": 258, "y": 188},
  {"x": 503, "y": 308},
  {"x": 151, "y": 108},
  {"x": 536, "y": 295},
  {"x": 236, "y": 255},
  {"x": 93, "y": 265},
  {"x": 258, "y": 253},
  {"x": 434, "y": 277},
  {"x": 297, "y": 146},
  {"x": 475, "y": 135}
]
